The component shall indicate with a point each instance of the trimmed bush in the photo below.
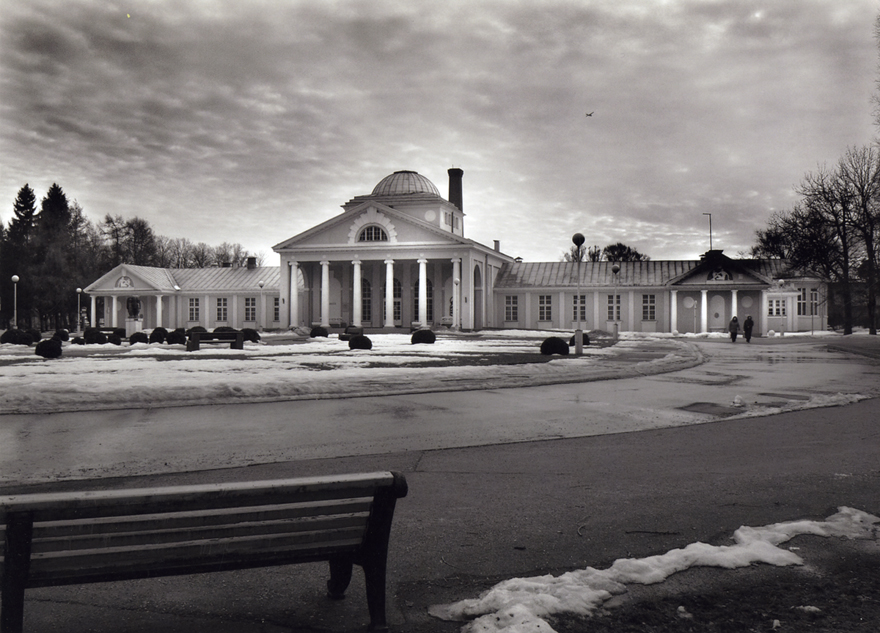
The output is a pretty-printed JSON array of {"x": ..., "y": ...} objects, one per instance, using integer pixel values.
[
  {"x": 158, "y": 335},
  {"x": 225, "y": 328},
  {"x": 423, "y": 336},
  {"x": 17, "y": 337},
  {"x": 61, "y": 335},
  {"x": 197, "y": 328},
  {"x": 78, "y": 340},
  {"x": 36, "y": 335},
  {"x": 50, "y": 348},
  {"x": 359, "y": 341},
  {"x": 571, "y": 343},
  {"x": 115, "y": 339},
  {"x": 554, "y": 345},
  {"x": 94, "y": 336},
  {"x": 250, "y": 335},
  {"x": 319, "y": 331},
  {"x": 136, "y": 337},
  {"x": 177, "y": 337},
  {"x": 120, "y": 332}
]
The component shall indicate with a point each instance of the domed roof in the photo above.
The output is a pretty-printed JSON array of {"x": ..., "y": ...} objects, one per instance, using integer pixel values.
[{"x": 403, "y": 182}]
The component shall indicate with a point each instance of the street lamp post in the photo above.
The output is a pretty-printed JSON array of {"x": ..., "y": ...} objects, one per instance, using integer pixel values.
[
  {"x": 262, "y": 306},
  {"x": 15, "y": 301},
  {"x": 578, "y": 241},
  {"x": 78, "y": 310},
  {"x": 616, "y": 304}
]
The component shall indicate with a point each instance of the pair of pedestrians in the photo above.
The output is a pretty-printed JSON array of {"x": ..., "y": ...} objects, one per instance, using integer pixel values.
[{"x": 733, "y": 328}]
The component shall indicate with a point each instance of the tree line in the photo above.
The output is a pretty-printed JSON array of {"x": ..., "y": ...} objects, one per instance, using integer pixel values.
[
  {"x": 56, "y": 249},
  {"x": 833, "y": 230}
]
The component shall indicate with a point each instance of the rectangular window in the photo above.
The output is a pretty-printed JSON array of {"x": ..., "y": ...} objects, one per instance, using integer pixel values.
[
  {"x": 545, "y": 307},
  {"x": 814, "y": 301},
  {"x": 776, "y": 307},
  {"x": 250, "y": 308},
  {"x": 222, "y": 309},
  {"x": 277, "y": 311},
  {"x": 579, "y": 302},
  {"x": 808, "y": 301},
  {"x": 614, "y": 307},
  {"x": 193, "y": 309},
  {"x": 649, "y": 308},
  {"x": 511, "y": 308}
]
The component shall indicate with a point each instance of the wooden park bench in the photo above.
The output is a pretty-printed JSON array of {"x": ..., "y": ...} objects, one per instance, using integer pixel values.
[
  {"x": 197, "y": 339},
  {"x": 81, "y": 537}
]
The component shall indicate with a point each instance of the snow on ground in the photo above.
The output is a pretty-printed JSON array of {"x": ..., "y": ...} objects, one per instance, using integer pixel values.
[
  {"x": 519, "y": 605},
  {"x": 285, "y": 367}
]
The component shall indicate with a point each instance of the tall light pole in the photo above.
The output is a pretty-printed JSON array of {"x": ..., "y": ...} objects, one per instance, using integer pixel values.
[
  {"x": 615, "y": 306},
  {"x": 78, "y": 310},
  {"x": 262, "y": 306},
  {"x": 578, "y": 240},
  {"x": 15, "y": 301}
]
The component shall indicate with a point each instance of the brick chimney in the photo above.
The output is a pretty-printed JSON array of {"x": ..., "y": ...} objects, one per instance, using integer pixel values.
[{"x": 455, "y": 175}]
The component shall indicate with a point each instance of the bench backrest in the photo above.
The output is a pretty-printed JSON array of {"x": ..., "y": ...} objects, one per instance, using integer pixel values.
[{"x": 120, "y": 534}]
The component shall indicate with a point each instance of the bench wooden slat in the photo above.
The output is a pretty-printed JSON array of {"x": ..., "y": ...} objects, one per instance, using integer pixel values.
[
  {"x": 203, "y": 518},
  {"x": 104, "y": 503},
  {"x": 170, "y": 536},
  {"x": 188, "y": 559}
]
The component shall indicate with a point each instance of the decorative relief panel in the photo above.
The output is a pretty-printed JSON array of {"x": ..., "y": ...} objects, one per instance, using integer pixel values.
[{"x": 372, "y": 216}]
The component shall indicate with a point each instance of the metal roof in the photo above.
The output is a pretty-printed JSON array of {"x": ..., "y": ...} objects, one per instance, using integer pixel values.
[{"x": 404, "y": 182}]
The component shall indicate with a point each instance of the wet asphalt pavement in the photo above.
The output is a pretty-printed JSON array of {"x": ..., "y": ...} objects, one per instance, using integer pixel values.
[{"x": 476, "y": 515}]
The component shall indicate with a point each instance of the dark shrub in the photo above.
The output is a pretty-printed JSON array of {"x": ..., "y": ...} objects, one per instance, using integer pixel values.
[
  {"x": 360, "y": 341},
  {"x": 554, "y": 345},
  {"x": 136, "y": 337},
  {"x": 78, "y": 340},
  {"x": 225, "y": 328},
  {"x": 319, "y": 331},
  {"x": 50, "y": 348},
  {"x": 115, "y": 339},
  {"x": 94, "y": 336},
  {"x": 61, "y": 335},
  {"x": 586, "y": 336},
  {"x": 158, "y": 335},
  {"x": 177, "y": 337},
  {"x": 120, "y": 332},
  {"x": 197, "y": 328},
  {"x": 250, "y": 334},
  {"x": 423, "y": 336},
  {"x": 17, "y": 337},
  {"x": 36, "y": 335}
]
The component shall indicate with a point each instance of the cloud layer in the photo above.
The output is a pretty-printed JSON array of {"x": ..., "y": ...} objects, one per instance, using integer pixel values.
[{"x": 250, "y": 122}]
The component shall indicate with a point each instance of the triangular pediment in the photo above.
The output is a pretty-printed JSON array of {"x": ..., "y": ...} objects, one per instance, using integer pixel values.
[
  {"x": 395, "y": 227},
  {"x": 129, "y": 278},
  {"x": 715, "y": 268}
]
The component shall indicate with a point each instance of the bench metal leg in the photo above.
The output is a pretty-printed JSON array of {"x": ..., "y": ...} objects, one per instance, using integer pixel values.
[
  {"x": 374, "y": 575},
  {"x": 340, "y": 577},
  {"x": 17, "y": 560}
]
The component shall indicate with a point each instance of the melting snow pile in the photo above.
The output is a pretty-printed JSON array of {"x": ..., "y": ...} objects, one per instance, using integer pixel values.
[{"x": 520, "y": 605}]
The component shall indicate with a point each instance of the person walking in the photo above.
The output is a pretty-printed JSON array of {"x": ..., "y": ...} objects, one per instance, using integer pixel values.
[
  {"x": 733, "y": 328},
  {"x": 748, "y": 325}
]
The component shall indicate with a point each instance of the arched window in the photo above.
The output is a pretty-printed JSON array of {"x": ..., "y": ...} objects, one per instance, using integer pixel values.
[
  {"x": 373, "y": 233},
  {"x": 366, "y": 300},
  {"x": 429, "y": 291}
]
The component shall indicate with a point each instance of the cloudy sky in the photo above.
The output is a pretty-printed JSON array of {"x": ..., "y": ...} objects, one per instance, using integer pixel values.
[{"x": 252, "y": 120}]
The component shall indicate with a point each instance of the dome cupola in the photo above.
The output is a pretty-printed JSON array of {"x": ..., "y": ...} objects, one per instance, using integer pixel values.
[{"x": 404, "y": 182}]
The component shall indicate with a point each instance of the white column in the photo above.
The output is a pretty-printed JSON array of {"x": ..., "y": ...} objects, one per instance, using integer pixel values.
[
  {"x": 673, "y": 310},
  {"x": 294, "y": 294},
  {"x": 596, "y": 307},
  {"x": 159, "y": 311},
  {"x": 456, "y": 293},
  {"x": 356, "y": 315},
  {"x": 704, "y": 310},
  {"x": 325, "y": 293},
  {"x": 94, "y": 312},
  {"x": 423, "y": 292},
  {"x": 389, "y": 293},
  {"x": 113, "y": 312},
  {"x": 765, "y": 306},
  {"x": 733, "y": 306}
]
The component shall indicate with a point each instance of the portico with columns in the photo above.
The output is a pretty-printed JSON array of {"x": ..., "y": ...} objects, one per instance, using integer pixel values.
[{"x": 396, "y": 258}]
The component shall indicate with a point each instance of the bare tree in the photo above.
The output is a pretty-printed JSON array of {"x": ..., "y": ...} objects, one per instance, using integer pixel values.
[{"x": 202, "y": 255}]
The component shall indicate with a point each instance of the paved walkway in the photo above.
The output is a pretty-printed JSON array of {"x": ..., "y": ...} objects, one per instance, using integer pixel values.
[{"x": 477, "y": 515}]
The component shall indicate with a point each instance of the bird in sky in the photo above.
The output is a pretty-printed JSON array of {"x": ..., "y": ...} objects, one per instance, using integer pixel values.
[{"x": 590, "y": 113}]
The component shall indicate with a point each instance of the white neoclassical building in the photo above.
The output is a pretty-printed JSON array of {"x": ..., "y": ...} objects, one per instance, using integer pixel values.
[{"x": 398, "y": 258}]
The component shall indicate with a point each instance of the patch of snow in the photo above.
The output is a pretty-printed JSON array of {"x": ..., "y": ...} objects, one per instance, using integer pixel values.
[{"x": 520, "y": 605}]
